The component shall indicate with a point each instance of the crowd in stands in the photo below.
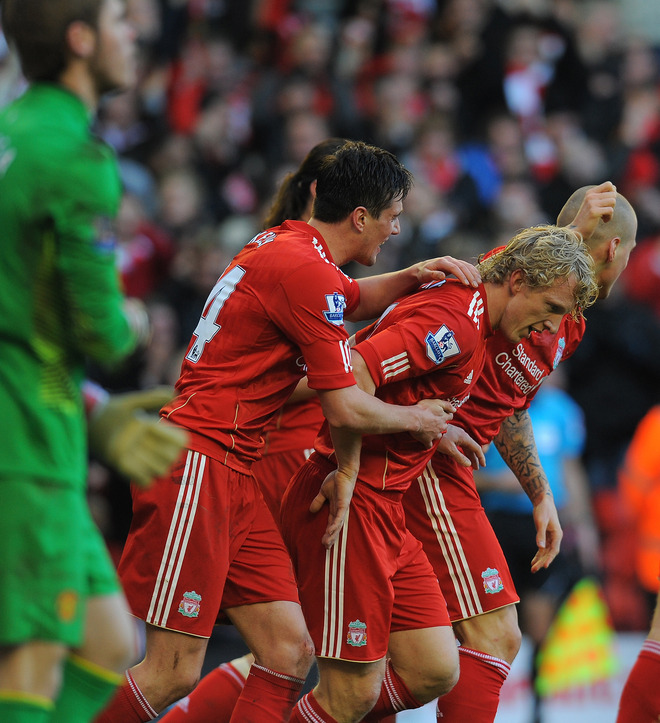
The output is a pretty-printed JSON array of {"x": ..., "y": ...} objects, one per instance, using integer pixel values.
[{"x": 500, "y": 108}]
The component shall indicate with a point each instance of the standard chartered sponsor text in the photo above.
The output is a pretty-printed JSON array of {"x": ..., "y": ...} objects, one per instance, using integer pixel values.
[{"x": 511, "y": 363}]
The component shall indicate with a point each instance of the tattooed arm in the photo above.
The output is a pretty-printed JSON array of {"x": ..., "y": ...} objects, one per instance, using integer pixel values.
[{"x": 515, "y": 442}]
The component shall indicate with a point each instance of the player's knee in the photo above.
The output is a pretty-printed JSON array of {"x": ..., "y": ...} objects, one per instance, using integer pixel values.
[
  {"x": 439, "y": 676},
  {"x": 179, "y": 684},
  {"x": 513, "y": 641},
  {"x": 363, "y": 704},
  {"x": 496, "y": 633},
  {"x": 506, "y": 638},
  {"x": 291, "y": 656},
  {"x": 361, "y": 699}
]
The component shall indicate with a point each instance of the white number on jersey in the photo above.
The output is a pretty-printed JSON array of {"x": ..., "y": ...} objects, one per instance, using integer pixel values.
[{"x": 207, "y": 327}]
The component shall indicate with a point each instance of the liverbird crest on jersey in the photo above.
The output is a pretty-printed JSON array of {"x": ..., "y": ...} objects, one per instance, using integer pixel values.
[
  {"x": 561, "y": 345},
  {"x": 441, "y": 345}
]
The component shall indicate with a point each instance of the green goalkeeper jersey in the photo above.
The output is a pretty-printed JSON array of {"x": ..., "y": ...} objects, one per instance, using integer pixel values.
[{"x": 60, "y": 299}]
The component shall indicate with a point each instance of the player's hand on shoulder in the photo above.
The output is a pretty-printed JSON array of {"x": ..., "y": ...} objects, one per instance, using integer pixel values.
[{"x": 439, "y": 268}]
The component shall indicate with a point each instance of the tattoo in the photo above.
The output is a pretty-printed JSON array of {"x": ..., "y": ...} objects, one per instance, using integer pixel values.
[{"x": 515, "y": 442}]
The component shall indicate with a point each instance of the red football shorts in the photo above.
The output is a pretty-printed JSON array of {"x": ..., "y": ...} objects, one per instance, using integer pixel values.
[
  {"x": 375, "y": 580},
  {"x": 202, "y": 540},
  {"x": 273, "y": 473},
  {"x": 444, "y": 512}
]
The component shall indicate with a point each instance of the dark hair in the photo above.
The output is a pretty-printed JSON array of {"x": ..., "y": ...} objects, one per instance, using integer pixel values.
[
  {"x": 359, "y": 175},
  {"x": 38, "y": 28},
  {"x": 294, "y": 194}
]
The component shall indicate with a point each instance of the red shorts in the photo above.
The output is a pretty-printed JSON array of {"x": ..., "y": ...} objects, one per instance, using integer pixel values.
[
  {"x": 375, "y": 580},
  {"x": 273, "y": 473},
  {"x": 444, "y": 512},
  {"x": 202, "y": 540}
]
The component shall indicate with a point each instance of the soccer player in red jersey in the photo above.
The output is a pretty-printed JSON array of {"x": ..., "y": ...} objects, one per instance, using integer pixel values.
[
  {"x": 288, "y": 442},
  {"x": 486, "y": 657},
  {"x": 443, "y": 509},
  {"x": 371, "y": 600},
  {"x": 196, "y": 545}
]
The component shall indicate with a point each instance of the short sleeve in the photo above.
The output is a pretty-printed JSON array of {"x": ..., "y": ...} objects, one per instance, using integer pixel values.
[
  {"x": 309, "y": 306},
  {"x": 428, "y": 337}
]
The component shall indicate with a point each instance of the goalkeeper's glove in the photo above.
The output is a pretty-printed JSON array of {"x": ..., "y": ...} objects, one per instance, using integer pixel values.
[{"x": 126, "y": 433}]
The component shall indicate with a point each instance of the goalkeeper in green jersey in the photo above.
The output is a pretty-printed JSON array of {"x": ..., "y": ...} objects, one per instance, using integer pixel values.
[{"x": 65, "y": 632}]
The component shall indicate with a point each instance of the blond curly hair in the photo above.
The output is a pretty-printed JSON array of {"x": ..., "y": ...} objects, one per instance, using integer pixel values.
[{"x": 545, "y": 254}]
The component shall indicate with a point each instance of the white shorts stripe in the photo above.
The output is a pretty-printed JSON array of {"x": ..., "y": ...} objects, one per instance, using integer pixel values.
[
  {"x": 177, "y": 539},
  {"x": 450, "y": 543},
  {"x": 333, "y": 603},
  {"x": 168, "y": 542}
]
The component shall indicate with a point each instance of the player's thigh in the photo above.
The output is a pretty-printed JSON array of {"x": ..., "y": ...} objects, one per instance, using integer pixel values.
[{"x": 44, "y": 585}]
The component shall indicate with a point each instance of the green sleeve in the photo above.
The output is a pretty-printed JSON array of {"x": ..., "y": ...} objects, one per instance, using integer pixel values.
[{"x": 84, "y": 238}]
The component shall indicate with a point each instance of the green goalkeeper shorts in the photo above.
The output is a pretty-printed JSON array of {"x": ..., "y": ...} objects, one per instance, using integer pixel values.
[{"x": 53, "y": 559}]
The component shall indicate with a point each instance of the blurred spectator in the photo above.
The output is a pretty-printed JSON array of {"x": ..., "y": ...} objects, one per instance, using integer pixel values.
[
  {"x": 641, "y": 279},
  {"x": 500, "y": 107},
  {"x": 436, "y": 162},
  {"x": 144, "y": 251},
  {"x": 615, "y": 377},
  {"x": 639, "y": 483}
]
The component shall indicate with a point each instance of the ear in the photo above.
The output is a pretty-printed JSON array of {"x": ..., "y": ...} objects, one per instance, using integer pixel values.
[
  {"x": 359, "y": 218},
  {"x": 612, "y": 247},
  {"x": 312, "y": 188},
  {"x": 81, "y": 39},
  {"x": 516, "y": 281}
]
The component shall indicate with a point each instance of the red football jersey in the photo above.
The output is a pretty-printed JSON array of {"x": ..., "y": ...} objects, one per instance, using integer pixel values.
[
  {"x": 294, "y": 427},
  {"x": 275, "y": 314},
  {"x": 512, "y": 376},
  {"x": 428, "y": 345}
]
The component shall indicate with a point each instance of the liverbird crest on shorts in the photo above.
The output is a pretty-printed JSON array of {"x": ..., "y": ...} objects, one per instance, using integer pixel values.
[
  {"x": 190, "y": 604},
  {"x": 357, "y": 634},
  {"x": 492, "y": 581}
]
